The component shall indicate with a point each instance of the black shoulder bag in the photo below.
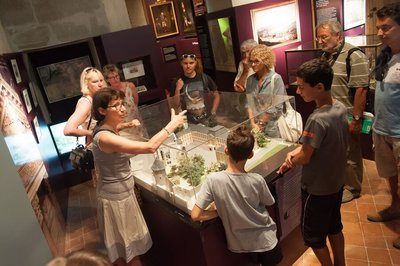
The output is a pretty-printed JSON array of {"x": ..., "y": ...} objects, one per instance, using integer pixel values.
[{"x": 81, "y": 157}]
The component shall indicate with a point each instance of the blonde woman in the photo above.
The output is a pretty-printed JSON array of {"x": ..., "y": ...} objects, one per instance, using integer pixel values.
[
  {"x": 77, "y": 125},
  {"x": 264, "y": 81}
]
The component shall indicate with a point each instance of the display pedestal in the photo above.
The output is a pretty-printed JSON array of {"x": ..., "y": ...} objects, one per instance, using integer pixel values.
[{"x": 177, "y": 240}]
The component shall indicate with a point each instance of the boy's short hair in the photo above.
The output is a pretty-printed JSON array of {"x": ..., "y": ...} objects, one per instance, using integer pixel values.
[
  {"x": 316, "y": 71},
  {"x": 240, "y": 143},
  {"x": 391, "y": 10}
]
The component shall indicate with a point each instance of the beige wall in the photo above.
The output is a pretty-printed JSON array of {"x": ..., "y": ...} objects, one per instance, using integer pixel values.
[{"x": 30, "y": 24}]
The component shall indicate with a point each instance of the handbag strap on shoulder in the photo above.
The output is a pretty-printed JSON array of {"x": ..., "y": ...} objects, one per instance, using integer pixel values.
[{"x": 87, "y": 128}]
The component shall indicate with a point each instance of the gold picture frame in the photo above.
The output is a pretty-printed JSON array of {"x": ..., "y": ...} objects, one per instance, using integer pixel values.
[{"x": 164, "y": 19}]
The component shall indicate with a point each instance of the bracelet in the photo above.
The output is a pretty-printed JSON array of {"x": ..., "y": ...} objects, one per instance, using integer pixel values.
[{"x": 166, "y": 130}]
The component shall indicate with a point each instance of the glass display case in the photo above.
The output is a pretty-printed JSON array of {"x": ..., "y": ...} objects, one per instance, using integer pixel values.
[
  {"x": 179, "y": 167},
  {"x": 296, "y": 56}
]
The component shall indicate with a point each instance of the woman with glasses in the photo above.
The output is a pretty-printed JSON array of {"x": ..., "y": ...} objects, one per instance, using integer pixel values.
[
  {"x": 111, "y": 73},
  {"x": 120, "y": 220},
  {"x": 264, "y": 81},
  {"x": 81, "y": 123},
  {"x": 192, "y": 86}
]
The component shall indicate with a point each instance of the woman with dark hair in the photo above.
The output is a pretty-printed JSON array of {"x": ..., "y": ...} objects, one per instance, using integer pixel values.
[{"x": 121, "y": 222}]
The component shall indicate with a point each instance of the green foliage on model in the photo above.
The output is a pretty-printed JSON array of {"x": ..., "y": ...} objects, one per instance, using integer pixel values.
[
  {"x": 191, "y": 168},
  {"x": 260, "y": 137}
]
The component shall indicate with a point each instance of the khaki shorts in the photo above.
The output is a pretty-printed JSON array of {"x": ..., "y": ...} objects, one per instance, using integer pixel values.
[{"x": 387, "y": 155}]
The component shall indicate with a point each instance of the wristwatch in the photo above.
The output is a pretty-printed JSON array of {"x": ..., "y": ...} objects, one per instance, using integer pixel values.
[{"x": 356, "y": 117}]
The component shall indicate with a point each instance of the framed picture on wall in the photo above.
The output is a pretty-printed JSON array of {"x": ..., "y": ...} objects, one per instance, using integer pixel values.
[
  {"x": 133, "y": 70},
  {"x": 276, "y": 25},
  {"x": 169, "y": 53},
  {"x": 33, "y": 93},
  {"x": 353, "y": 13},
  {"x": 164, "y": 19},
  {"x": 36, "y": 129},
  {"x": 186, "y": 15},
  {"x": 15, "y": 69},
  {"x": 199, "y": 7},
  {"x": 27, "y": 101},
  {"x": 61, "y": 80}
]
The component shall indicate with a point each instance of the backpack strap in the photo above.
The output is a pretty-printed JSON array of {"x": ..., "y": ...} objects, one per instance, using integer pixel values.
[
  {"x": 348, "y": 66},
  {"x": 204, "y": 79}
]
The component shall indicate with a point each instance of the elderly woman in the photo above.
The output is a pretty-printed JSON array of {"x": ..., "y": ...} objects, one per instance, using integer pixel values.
[
  {"x": 111, "y": 73},
  {"x": 262, "y": 61},
  {"x": 264, "y": 81},
  {"x": 121, "y": 222},
  {"x": 244, "y": 69}
]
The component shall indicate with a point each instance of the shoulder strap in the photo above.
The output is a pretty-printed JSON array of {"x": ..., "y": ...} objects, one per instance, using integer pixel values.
[
  {"x": 204, "y": 79},
  {"x": 348, "y": 66},
  {"x": 88, "y": 125},
  {"x": 273, "y": 81}
]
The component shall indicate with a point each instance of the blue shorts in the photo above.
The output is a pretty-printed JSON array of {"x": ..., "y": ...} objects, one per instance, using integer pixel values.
[{"x": 320, "y": 217}]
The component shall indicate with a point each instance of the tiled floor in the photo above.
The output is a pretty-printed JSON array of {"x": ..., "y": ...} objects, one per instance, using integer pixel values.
[{"x": 366, "y": 243}]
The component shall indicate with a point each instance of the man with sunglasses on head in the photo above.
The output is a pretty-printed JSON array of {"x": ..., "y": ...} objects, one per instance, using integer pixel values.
[
  {"x": 192, "y": 86},
  {"x": 352, "y": 91},
  {"x": 386, "y": 127}
]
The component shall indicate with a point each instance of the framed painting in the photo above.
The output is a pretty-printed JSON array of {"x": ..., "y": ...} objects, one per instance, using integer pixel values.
[
  {"x": 27, "y": 101},
  {"x": 15, "y": 69},
  {"x": 276, "y": 25},
  {"x": 61, "y": 80},
  {"x": 199, "y": 7},
  {"x": 353, "y": 13},
  {"x": 133, "y": 70},
  {"x": 186, "y": 15},
  {"x": 33, "y": 93},
  {"x": 164, "y": 19}
]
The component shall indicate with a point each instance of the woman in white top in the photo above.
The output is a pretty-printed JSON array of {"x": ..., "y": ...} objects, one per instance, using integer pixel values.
[
  {"x": 131, "y": 101},
  {"x": 91, "y": 80}
]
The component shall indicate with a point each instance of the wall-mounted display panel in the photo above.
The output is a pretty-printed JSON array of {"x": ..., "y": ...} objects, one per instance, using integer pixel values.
[{"x": 61, "y": 80}]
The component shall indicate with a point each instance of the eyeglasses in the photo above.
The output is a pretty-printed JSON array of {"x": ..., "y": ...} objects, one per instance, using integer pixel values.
[
  {"x": 191, "y": 56},
  {"x": 113, "y": 77},
  {"x": 254, "y": 62},
  {"x": 117, "y": 106}
]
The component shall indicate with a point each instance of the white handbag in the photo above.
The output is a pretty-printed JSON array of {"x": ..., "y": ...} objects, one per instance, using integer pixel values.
[{"x": 290, "y": 123}]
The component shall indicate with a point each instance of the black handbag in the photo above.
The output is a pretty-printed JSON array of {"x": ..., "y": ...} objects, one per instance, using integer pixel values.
[{"x": 81, "y": 157}]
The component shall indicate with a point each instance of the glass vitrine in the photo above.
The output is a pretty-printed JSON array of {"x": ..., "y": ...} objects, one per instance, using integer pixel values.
[{"x": 179, "y": 167}]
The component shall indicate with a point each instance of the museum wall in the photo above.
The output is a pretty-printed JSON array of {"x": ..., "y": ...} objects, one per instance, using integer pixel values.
[
  {"x": 245, "y": 30},
  {"x": 32, "y": 24},
  {"x": 22, "y": 241}
]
